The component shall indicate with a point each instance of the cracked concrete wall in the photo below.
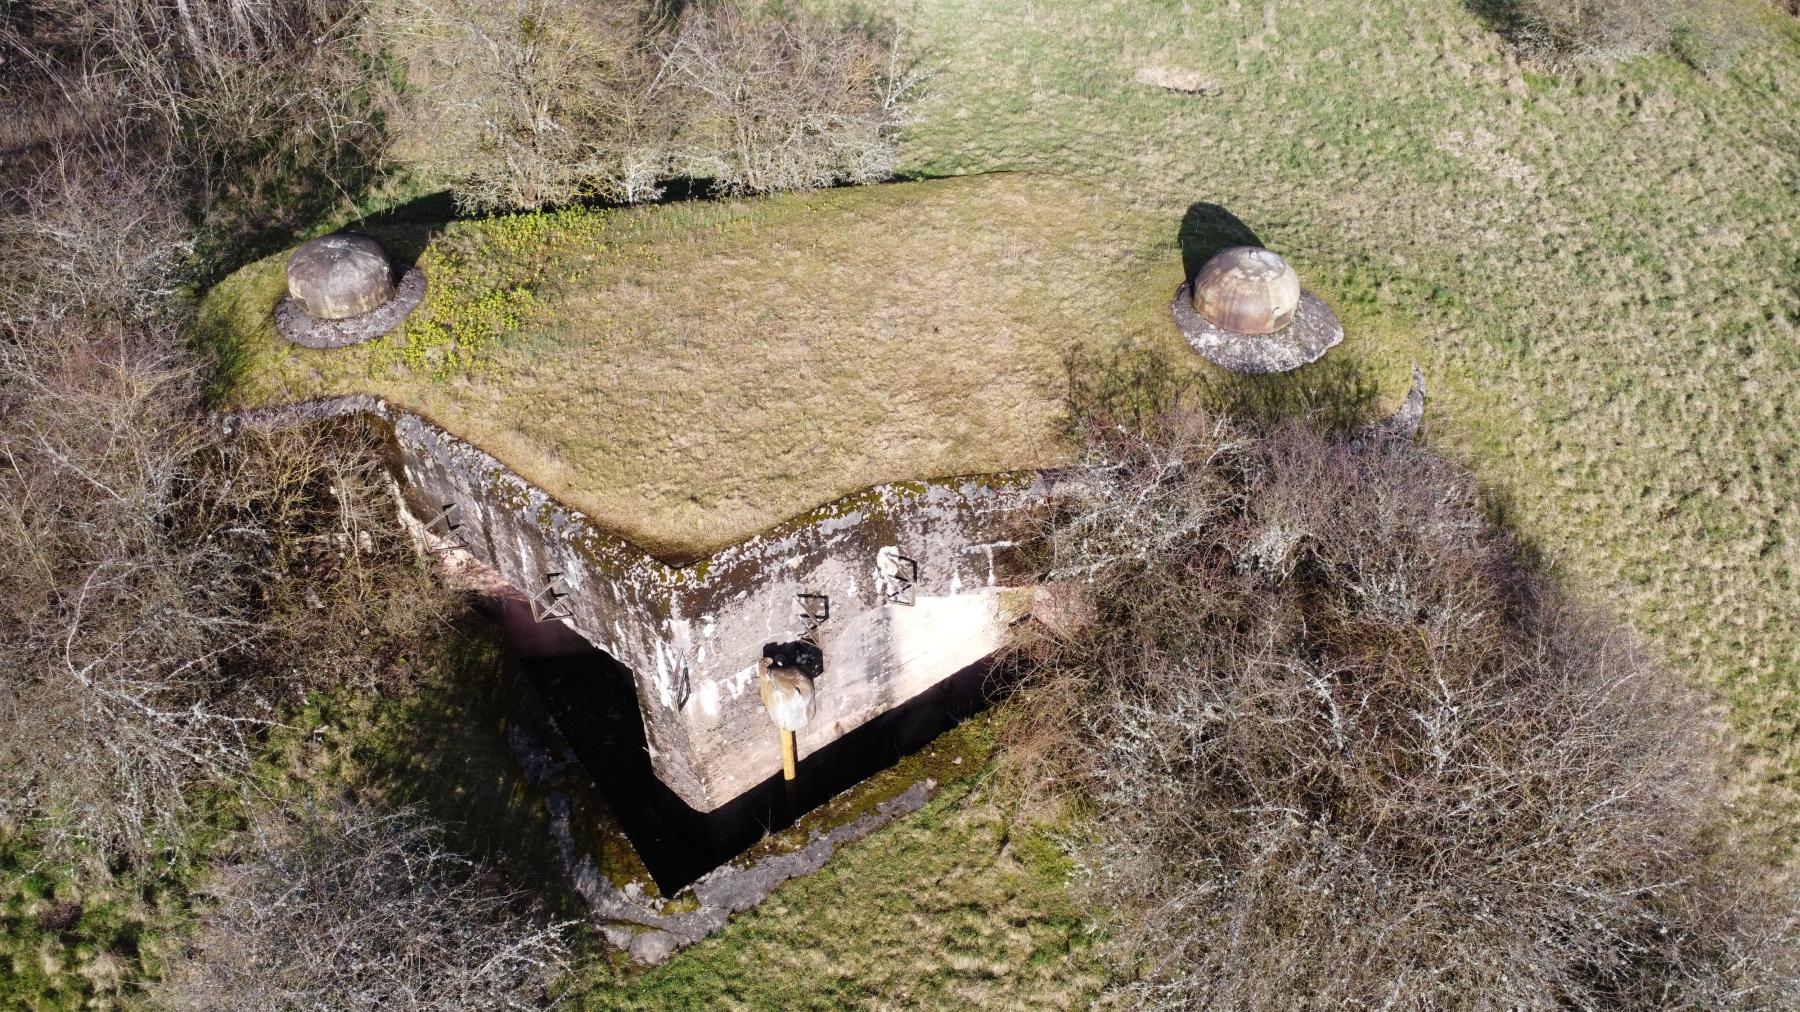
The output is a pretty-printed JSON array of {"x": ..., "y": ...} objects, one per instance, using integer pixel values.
[{"x": 916, "y": 581}]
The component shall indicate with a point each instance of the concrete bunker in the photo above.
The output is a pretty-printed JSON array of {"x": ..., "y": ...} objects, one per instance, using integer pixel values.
[{"x": 901, "y": 590}]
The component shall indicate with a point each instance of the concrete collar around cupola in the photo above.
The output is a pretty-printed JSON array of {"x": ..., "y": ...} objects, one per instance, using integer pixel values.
[{"x": 1245, "y": 311}]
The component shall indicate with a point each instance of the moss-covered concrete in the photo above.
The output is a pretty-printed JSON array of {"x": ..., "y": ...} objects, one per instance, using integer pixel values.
[{"x": 691, "y": 374}]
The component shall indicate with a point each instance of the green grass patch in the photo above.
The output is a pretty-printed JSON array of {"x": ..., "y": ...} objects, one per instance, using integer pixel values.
[
  {"x": 963, "y": 904},
  {"x": 78, "y": 938}
]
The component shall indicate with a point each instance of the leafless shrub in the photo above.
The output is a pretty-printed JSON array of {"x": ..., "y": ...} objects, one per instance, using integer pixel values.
[
  {"x": 1346, "y": 751},
  {"x": 271, "y": 110},
  {"x": 535, "y": 102},
  {"x": 1708, "y": 34},
  {"x": 94, "y": 229},
  {"x": 343, "y": 908},
  {"x": 167, "y": 591},
  {"x": 790, "y": 103},
  {"x": 1604, "y": 29}
]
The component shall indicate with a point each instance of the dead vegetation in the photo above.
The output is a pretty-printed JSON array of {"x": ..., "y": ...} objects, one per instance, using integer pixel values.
[
  {"x": 1710, "y": 35},
  {"x": 1347, "y": 750},
  {"x": 535, "y": 102},
  {"x": 92, "y": 231},
  {"x": 266, "y": 114},
  {"x": 1600, "y": 29},
  {"x": 169, "y": 591},
  {"x": 791, "y": 103},
  {"x": 342, "y": 907}
]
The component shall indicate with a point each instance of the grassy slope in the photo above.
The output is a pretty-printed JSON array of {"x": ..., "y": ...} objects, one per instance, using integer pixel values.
[
  {"x": 694, "y": 373},
  {"x": 1606, "y": 264}
]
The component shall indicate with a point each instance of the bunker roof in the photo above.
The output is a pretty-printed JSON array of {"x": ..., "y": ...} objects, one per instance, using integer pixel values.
[{"x": 692, "y": 373}]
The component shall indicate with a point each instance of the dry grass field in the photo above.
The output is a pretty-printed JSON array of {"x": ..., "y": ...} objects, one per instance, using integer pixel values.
[
  {"x": 694, "y": 373},
  {"x": 1604, "y": 264}
]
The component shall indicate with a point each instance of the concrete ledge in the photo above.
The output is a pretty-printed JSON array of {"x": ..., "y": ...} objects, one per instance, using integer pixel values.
[
  {"x": 1314, "y": 332},
  {"x": 903, "y": 585}
]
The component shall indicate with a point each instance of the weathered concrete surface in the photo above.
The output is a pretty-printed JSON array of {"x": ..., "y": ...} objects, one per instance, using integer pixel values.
[
  {"x": 1405, "y": 421},
  {"x": 335, "y": 277},
  {"x": 1314, "y": 331},
  {"x": 901, "y": 586},
  {"x": 292, "y": 322}
]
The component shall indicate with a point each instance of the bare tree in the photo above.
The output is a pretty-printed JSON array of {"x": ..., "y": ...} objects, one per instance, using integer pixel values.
[
  {"x": 1562, "y": 30},
  {"x": 271, "y": 111},
  {"x": 534, "y": 102},
  {"x": 343, "y": 908},
  {"x": 93, "y": 228},
  {"x": 1347, "y": 751}
]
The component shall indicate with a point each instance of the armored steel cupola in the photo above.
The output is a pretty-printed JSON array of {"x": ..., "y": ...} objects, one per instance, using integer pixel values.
[
  {"x": 335, "y": 277},
  {"x": 1247, "y": 289},
  {"x": 1245, "y": 311},
  {"x": 341, "y": 290}
]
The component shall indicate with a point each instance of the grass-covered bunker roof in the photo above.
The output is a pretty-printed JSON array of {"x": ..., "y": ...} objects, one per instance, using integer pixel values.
[{"x": 692, "y": 373}]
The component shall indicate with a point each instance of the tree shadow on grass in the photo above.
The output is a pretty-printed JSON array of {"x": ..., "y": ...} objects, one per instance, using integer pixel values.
[
  {"x": 1499, "y": 15},
  {"x": 1205, "y": 230},
  {"x": 445, "y": 747}
]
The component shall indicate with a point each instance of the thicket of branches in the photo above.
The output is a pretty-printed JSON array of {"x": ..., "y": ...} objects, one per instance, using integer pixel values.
[
  {"x": 1596, "y": 28},
  {"x": 345, "y": 908},
  {"x": 1709, "y": 34},
  {"x": 531, "y": 102},
  {"x": 1347, "y": 751},
  {"x": 131, "y": 123},
  {"x": 252, "y": 116},
  {"x": 167, "y": 589}
]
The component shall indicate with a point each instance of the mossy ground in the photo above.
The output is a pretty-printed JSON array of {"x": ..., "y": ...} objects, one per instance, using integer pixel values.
[
  {"x": 78, "y": 937},
  {"x": 694, "y": 373},
  {"x": 963, "y": 904}
]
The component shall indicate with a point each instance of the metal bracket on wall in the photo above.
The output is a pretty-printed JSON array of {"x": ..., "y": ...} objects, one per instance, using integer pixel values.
[
  {"x": 899, "y": 576},
  {"x": 446, "y": 529},
  {"x": 815, "y": 610},
  {"x": 551, "y": 601}
]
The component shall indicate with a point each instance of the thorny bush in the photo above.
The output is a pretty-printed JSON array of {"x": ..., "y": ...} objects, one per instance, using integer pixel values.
[{"x": 343, "y": 907}]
